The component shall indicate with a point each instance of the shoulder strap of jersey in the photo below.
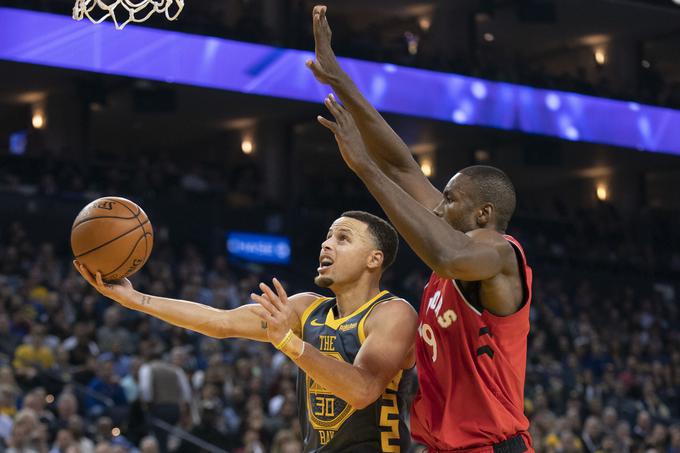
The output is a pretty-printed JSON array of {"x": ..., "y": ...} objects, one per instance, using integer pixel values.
[
  {"x": 360, "y": 330},
  {"x": 525, "y": 271}
]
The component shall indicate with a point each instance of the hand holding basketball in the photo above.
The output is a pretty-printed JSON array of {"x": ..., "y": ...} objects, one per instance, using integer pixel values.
[
  {"x": 120, "y": 291},
  {"x": 112, "y": 235}
]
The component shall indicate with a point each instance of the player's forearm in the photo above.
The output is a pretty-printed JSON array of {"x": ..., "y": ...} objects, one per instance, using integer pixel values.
[
  {"x": 384, "y": 145},
  {"x": 340, "y": 378},
  {"x": 182, "y": 313},
  {"x": 430, "y": 237}
]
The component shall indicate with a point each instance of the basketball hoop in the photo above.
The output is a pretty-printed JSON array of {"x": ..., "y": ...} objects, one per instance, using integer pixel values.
[{"x": 129, "y": 10}]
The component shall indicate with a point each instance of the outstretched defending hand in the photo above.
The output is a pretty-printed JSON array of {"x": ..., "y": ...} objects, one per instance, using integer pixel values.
[
  {"x": 121, "y": 290},
  {"x": 326, "y": 68},
  {"x": 347, "y": 134},
  {"x": 277, "y": 311}
]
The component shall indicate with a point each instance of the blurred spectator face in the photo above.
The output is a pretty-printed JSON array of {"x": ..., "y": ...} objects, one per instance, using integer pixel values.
[
  {"x": 675, "y": 436},
  {"x": 25, "y": 424},
  {"x": 64, "y": 439},
  {"x": 37, "y": 335},
  {"x": 104, "y": 427},
  {"x": 103, "y": 447},
  {"x": 291, "y": 446},
  {"x": 7, "y": 376},
  {"x": 250, "y": 439},
  {"x": 570, "y": 443},
  {"x": 644, "y": 421},
  {"x": 659, "y": 436},
  {"x": 111, "y": 317},
  {"x": 622, "y": 430},
  {"x": 178, "y": 356},
  {"x": 609, "y": 445},
  {"x": 105, "y": 370},
  {"x": 67, "y": 406},
  {"x": 81, "y": 331},
  {"x": 610, "y": 417},
  {"x": 76, "y": 426},
  {"x": 35, "y": 400},
  {"x": 593, "y": 428},
  {"x": 148, "y": 445}
]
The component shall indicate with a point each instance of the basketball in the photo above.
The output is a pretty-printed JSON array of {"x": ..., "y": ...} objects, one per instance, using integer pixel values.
[{"x": 112, "y": 235}]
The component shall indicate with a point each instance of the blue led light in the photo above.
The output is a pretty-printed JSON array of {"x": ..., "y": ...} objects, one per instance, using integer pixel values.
[{"x": 53, "y": 40}]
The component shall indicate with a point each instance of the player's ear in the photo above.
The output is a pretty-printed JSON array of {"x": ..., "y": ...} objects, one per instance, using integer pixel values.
[
  {"x": 484, "y": 214},
  {"x": 375, "y": 259}
]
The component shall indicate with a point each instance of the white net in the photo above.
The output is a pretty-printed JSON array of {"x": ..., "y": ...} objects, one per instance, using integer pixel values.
[{"x": 122, "y": 12}]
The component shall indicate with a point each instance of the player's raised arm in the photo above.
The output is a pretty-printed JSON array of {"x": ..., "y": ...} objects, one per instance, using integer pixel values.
[
  {"x": 241, "y": 322},
  {"x": 380, "y": 358},
  {"x": 447, "y": 251},
  {"x": 385, "y": 147}
]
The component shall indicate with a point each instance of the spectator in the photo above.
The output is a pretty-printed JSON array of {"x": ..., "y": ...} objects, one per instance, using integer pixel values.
[
  {"x": 149, "y": 444},
  {"x": 28, "y": 434},
  {"x": 36, "y": 400},
  {"x": 77, "y": 428},
  {"x": 63, "y": 441},
  {"x": 67, "y": 407},
  {"x": 107, "y": 395},
  {"x": 33, "y": 357},
  {"x": 111, "y": 333},
  {"x": 208, "y": 429},
  {"x": 166, "y": 389}
]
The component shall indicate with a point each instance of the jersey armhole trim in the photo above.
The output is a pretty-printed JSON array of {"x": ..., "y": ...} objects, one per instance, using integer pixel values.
[
  {"x": 462, "y": 296},
  {"x": 308, "y": 311},
  {"x": 360, "y": 330}
]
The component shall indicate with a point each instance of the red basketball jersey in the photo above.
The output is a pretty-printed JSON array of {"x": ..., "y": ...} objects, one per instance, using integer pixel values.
[{"x": 471, "y": 367}]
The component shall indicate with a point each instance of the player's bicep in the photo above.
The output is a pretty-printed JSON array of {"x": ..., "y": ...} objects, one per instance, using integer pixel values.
[
  {"x": 480, "y": 259},
  {"x": 388, "y": 345},
  {"x": 477, "y": 262}
]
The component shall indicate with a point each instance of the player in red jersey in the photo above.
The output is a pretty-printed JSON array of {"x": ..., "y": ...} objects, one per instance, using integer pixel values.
[{"x": 474, "y": 315}]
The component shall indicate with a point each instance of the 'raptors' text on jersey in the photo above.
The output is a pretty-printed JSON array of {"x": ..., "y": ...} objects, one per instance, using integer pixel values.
[{"x": 471, "y": 366}]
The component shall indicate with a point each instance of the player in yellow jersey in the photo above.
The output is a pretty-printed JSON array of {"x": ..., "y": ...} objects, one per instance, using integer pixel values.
[{"x": 352, "y": 350}]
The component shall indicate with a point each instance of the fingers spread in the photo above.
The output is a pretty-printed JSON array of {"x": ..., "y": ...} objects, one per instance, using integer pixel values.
[
  {"x": 279, "y": 290},
  {"x": 332, "y": 108},
  {"x": 327, "y": 123},
  {"x": 338, "y": 108},
  {"x": 273, "y": 298},
  {"x": 265, "y": 303}
]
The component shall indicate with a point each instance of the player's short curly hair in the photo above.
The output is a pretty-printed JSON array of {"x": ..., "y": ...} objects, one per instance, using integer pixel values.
[{"x": 493, "y": 186}]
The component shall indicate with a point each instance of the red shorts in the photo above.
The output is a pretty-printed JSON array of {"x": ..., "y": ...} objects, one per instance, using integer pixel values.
[{"x": 520, "y": 443}]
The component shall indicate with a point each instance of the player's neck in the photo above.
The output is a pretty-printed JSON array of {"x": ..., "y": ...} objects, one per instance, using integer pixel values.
[{"x": 353, "y": 296}]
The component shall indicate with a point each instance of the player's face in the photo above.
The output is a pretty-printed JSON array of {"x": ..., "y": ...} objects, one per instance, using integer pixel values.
[
  {"x": 457, "y": 206},
  {"x": 346, "y": 254}
]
